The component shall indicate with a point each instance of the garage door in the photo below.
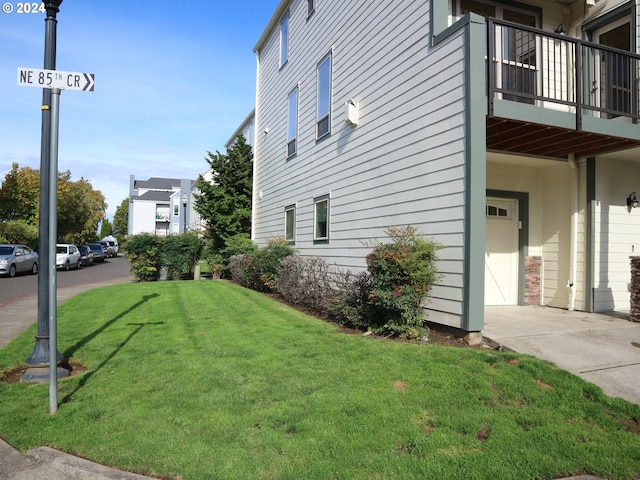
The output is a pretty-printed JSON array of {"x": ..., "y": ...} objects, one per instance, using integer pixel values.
[{"x": 501, "y": 256}]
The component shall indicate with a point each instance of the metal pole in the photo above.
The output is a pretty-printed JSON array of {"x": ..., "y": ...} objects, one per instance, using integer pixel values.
[
  {"x": 53, "y": 234},
  {"x": 38, "y": 361}
]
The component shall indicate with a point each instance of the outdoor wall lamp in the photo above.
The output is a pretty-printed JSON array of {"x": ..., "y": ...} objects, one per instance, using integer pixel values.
[{"x": 632, "y": 200}]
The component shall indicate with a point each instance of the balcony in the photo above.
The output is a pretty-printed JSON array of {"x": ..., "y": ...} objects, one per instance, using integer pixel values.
[{"x": 566, "y": 93}]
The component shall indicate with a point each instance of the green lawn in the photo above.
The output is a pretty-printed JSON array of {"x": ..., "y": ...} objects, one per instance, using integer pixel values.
[{"x": 207, "y": 380}]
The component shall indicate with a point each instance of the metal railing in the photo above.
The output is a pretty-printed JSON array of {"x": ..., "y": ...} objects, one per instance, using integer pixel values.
[{"x": 554, "y": 71}]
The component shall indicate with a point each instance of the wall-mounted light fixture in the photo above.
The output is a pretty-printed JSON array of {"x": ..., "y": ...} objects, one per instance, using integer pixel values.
[
  {"x": 632, "y": 200},
  {"x": 560, "y": 29}
]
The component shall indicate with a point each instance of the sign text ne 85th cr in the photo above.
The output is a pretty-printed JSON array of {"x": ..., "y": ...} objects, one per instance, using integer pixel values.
[{"x": 35, "y": 77}]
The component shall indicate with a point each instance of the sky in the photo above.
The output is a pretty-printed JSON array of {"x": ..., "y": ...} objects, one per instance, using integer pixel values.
[{"x": 173, "y": 81}]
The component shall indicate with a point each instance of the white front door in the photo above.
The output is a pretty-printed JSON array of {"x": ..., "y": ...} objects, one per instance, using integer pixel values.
[{"x": 501, "y": 255}]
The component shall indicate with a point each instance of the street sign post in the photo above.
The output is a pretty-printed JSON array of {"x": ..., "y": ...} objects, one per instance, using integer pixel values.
[
  {"x": 52, "y": 82},
  {"x": 40, "y": 78}
]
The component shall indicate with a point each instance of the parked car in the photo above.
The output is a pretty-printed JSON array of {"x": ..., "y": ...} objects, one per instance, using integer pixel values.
[
  {"x": 108, "y": 251},
  {"x": 86, "y": 255},
  {"x": 113, "y": 243},
  {"x": 17, "y": 258},
  {"x": 67, "y": 256},
  {"x": 98, "y": 252}
]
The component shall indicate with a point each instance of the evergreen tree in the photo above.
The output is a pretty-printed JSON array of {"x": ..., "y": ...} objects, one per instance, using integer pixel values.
[
  {"x": 225, "y": 203},
  {"x": 121, "y": 218},
  {"x": 106, "y": 228}
]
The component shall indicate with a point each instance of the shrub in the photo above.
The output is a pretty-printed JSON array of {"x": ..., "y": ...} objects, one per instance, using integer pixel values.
[
  {"x": 237, "y": 267},
  {"x": 351, "y": 305},
  {"x": 258, "y": 270},
  {"x": 218, "y": 260},
  {"x": 402, "y": 274},
  {"x": 180, "y": 253},
  {"x": 144, "y": 253},
  {"x": 19, "y": 231},
  {"x": 307, "y": 282}
]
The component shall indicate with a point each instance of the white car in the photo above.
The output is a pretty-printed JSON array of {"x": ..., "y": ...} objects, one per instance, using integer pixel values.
[{"x": 67, "y": 256}]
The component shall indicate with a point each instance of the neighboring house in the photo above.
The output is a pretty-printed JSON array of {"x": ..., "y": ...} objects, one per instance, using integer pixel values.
[
  {"x": 246, "y": 128},
  {"x": 378, "y": 113},
  {"x": 161, "y": 205}
]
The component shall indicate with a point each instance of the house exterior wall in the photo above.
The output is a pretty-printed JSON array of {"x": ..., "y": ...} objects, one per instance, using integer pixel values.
[
  {"x": 404, "y": 164},
  {"x": 616, "y": 230},
  {"x": 144, "y": 215}
]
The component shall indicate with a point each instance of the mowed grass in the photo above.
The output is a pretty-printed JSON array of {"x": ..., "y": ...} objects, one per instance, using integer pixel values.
[{"x": 207, "y": 380}]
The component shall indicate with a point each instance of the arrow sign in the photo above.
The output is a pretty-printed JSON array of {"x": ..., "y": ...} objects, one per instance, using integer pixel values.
[{"x": 36, "y": 77}]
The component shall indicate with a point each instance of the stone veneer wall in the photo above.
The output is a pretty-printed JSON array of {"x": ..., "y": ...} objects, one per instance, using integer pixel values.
[
  {"x": 532, "y": 280},
  {"x": 635, "y": 289}
]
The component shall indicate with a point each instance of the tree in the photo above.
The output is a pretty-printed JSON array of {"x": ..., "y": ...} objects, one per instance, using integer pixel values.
[
  {"x": 80, "y": 210},
  {"x": 121, "y": 218},
  {"x": 80, "y": 207},
  {"x": 106, "y": 228},
  {"x": 19, "y": 195},
  {"x": 225, "y": 203}
]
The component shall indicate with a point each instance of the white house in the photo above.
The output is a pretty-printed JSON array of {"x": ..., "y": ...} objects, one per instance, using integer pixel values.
[
  {"x": 507, "y": 131},
  {"x": 161, "y": 205}
]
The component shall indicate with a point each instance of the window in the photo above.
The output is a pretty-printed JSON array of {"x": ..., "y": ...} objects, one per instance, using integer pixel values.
[
  {"x": 321, "y": 219},
  {"x": 176, "y": 209},
  {"x": 311, "y": 7},
  {"x": 324, "y": 98},
  {"x": 284, "y": 39},
  {"x": 290, "y": 223},
  {"x": 292, "y": 123}
]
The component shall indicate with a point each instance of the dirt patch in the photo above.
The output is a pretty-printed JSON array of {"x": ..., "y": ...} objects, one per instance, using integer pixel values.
[{"x": 14, "y": 374}]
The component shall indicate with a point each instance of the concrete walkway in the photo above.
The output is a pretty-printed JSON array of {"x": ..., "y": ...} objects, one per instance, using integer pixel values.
[{"x": 602, "y": 349}]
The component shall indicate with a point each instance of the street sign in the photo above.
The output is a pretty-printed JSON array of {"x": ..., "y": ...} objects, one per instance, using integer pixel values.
[{"x": 36, "y": 77}]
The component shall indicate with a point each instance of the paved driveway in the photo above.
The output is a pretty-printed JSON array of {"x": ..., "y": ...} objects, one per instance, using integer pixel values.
[{"x": 602, "y": 349}]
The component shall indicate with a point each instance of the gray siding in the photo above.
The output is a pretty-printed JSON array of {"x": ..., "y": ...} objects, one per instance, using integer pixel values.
[{"x": 404, "y": 164}]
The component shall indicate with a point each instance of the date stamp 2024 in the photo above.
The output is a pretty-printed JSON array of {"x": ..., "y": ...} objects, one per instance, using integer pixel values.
[{"x": 23, "y": 7}]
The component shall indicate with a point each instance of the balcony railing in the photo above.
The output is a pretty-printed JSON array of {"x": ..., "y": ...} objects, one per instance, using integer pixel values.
[{"x": 554, "y": 71}]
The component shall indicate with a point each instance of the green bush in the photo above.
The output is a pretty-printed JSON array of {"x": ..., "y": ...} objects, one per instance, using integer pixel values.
[
  {"x": 258, "y": 270},
  {"x": 218, "y": 259},
  {"x": 144, "y": 252},
  {"x": 180, "y": 253},
  {"x": 19, "y": 231},
  {"x": 402, "y": 274}
]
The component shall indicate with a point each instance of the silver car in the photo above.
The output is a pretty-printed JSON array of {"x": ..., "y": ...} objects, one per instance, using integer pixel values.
[{"x": 17, "y": 258}]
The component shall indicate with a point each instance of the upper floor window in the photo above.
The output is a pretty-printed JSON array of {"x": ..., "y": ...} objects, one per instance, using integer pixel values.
[
  {"x": 290, "y": 223},
  {"x": 321, "y": 219},
  {"x": 292, "y": 123},
  {"x": 284, "y": 39},
  {"x": 323, "y": 119},
  {"x": 311, "y": 7}
]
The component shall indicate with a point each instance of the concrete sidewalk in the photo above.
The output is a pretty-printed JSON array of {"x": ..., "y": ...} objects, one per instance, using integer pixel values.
[{"x": 602, "y": 349}]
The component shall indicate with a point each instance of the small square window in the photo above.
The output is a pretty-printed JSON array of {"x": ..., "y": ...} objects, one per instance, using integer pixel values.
[
  {"x": 176, "y": 209},
  {"x": 321, "y": 219},
  {"x": 290, "y": 223}
]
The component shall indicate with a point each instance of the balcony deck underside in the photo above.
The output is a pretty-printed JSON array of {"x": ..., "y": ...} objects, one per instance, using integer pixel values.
[{"x": 508, "y": 135}]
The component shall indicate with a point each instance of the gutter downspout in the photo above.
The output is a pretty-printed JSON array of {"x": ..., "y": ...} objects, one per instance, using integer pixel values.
[{"x": 573, "y": 255}]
